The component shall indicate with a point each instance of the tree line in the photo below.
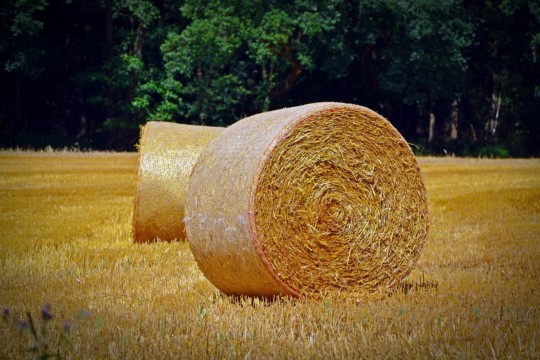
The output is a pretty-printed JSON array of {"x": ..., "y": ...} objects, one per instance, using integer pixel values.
[{"x": 454, "y": 77}]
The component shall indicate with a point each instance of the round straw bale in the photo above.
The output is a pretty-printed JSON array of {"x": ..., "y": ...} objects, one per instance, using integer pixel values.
[
  {"x": 167, "y": 154},
  {"x": 305, "y": 200}
]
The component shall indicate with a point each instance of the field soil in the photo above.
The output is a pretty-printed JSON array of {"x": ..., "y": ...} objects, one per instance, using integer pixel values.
[{"x": 74, "y": 285}]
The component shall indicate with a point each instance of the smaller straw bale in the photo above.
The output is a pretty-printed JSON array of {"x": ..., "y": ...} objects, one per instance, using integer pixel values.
[
  {"x": 167, "y": 154},
  {"x": 305, "y": 200}
]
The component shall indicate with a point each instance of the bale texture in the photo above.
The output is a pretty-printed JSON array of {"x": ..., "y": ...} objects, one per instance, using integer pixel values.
[
  {"x": 305, "y": 200},
  {"x": 167, "y": 154}
]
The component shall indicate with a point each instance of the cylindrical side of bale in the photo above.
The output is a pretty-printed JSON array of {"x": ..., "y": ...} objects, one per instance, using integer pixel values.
[
  {"x": 167, "y": 154},
  {"x": 305, "y": 200}
]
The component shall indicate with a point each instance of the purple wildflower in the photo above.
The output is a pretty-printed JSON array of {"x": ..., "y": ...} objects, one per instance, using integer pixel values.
[
  {"x": 23, "y": 324},
  {"x": 46, "y": 314},
  {"x": 5, "y": 312}
]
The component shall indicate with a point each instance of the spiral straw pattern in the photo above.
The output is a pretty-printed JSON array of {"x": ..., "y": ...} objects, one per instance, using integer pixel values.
[{"x": 306, "y": 200}]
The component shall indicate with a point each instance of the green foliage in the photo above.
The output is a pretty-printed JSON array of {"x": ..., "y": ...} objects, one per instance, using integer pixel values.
[
  {"x": 503, "y": 69},
  {"x": 233, "y": 58},
  {"x": 493, "y": 151},
  {"x": 165, "y": 94},
  {"x": 20, "y": 48},
  {"x": 215, "y": 61},
  {"x": 424, "y": 62}
]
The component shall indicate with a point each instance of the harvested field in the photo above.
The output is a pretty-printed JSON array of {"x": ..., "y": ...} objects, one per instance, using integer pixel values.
[{"x": 65, "y": 240}]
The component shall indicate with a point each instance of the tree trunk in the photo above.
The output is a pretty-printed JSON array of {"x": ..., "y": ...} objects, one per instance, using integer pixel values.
[
  {"x": 139, "y": 40},
  {"x": 454, "y": 118},
  {"x": 83, "y": 127},
  {"x": 473, "y": 133},
  {"x": 493, "y": 122},
  {"x": 431, "y": 132},
  {"x": 295, "y": 72}
]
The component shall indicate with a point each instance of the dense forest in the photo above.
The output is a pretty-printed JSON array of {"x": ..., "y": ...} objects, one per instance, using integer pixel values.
[{"x": 454, "y": 77}]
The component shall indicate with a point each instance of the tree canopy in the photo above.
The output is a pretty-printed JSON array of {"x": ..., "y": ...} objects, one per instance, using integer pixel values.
[{"x": 453, "y": 76}]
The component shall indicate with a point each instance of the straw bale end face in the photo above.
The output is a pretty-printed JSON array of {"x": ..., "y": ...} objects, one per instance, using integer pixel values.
[{"x": 305, "y": 200}]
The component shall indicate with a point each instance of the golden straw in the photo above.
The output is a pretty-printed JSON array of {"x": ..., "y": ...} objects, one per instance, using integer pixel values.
[
  {"x": 167, "y": 154},
  {"x": 306, "y": 200}
]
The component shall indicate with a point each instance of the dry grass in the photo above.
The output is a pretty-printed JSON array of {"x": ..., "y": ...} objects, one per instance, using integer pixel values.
[{"x": 65, "y": 239}]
